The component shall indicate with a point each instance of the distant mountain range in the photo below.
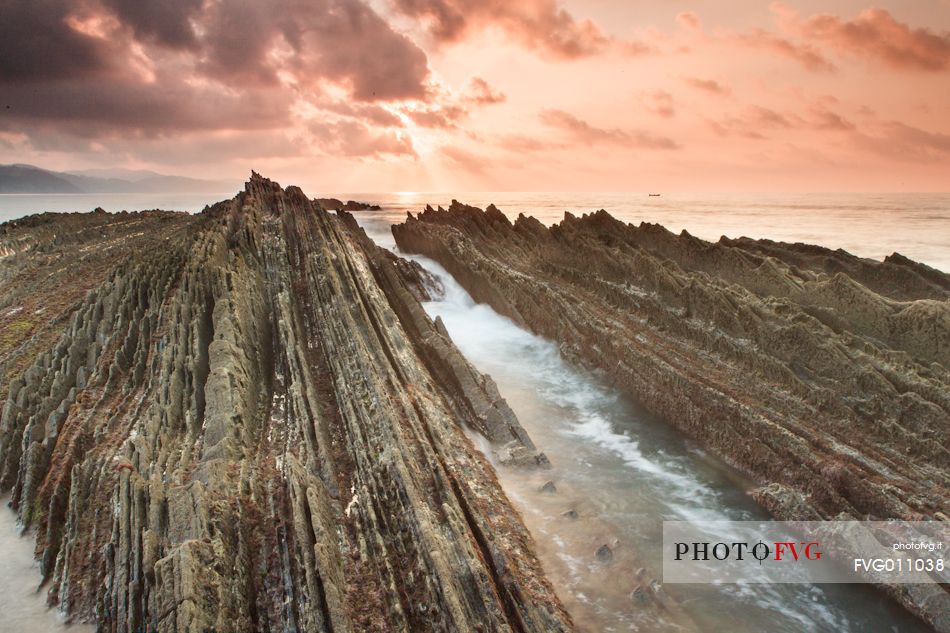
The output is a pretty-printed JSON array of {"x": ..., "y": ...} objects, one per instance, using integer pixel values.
[{"x": 31, "y": 179}]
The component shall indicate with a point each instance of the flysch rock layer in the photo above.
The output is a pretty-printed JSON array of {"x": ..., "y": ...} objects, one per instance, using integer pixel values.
[
  {"x": 243, "y": 420},
  {"x": 822, "y": 376}
]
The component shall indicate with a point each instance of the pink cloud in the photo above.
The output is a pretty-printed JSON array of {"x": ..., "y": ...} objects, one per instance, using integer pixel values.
[
  {"x": 754, "y": 121},
  {"x": 582, "y": 132},
  {"x": 634, "y": 48},
  {"x": 877, "y": 34},
  {"x": 449, "y": 110},
  {"x": 443, "y": 117},
  {"x": 480, "y": 93},
  {"x": 805, "y": 54},
  {"x": 874, "y": 34},
  {"x": 904, "y": 142},
  {"x": 368, "y": 112},
  {"x": 708, "y": 85},
  {"x": 689, "y": 20},
  {"x": 538, "y": 24},
  {"x": 352, "y": 138},
  {"x": 659, "y": 102},
  {"x": 759, "y": 38},
  {"x": 822, "y": 118}
]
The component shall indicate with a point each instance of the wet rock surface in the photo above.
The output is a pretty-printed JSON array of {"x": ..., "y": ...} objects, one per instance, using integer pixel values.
[
  {"x": 821, "y": 375},
  {"x": 243, "y": 420}
]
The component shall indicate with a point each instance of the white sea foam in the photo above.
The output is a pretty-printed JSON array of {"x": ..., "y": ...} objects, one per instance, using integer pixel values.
[{"x": 23, "y": 604}]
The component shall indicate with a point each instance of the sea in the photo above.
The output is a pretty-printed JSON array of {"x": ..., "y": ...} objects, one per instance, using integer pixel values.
[{"x": 916, "y": 225}]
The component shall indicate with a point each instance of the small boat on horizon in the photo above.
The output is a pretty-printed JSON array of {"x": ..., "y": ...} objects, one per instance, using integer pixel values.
[{"x": 654, "y": 195}]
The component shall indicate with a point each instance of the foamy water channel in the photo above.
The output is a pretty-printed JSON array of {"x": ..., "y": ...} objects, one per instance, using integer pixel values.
[{"x": 622, "y": 474}]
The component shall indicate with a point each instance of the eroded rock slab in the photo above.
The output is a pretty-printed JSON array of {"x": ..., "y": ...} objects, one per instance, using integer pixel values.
[
  {"x": 822, "y": 376},
  {"x": 244, "y": 421}
]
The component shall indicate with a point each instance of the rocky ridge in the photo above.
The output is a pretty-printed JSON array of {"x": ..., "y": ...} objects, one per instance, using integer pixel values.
[
  {"x": 334, "y": 204},
  {"x": 822, "y": 376},
  {"x": 243, "y": 420}
]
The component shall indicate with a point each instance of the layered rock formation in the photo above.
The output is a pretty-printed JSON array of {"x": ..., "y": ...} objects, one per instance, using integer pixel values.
[
  {"x": 822, "y": 376},
  {"x": 334, "y": 204},
  {"x": 243, "y": 421}
]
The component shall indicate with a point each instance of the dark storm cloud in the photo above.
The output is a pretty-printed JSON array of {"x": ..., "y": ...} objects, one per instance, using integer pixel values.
[
  {"x": 168, "y": 22},
  {"x": 352, "y": 43},
  {"x": 333, "y": 74},
  {"x": 90, "y": 107},
  {"x": 36, "y": 43},
  {"x": 342, "y": 41},
  {"x": 91, "y": 67}
]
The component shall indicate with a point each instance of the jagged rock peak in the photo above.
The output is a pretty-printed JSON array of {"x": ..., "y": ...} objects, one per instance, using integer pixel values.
[{"x": 244, "y": 420}]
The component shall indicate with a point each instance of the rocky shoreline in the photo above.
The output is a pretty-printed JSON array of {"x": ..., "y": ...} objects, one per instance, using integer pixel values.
[
  {"x": 243, "y": 420},
  {"x": 335, "y": 204},
  {"x": 822, "y": 376}
]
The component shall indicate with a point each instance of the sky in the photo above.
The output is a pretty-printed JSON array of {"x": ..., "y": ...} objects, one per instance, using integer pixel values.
[{"x": 490, "y": 95}]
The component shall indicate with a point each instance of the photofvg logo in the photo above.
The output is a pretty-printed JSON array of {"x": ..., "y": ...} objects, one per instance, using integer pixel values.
[
  {"x": 760, "y": 551},
  {"x": 806, "y": 552}
]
